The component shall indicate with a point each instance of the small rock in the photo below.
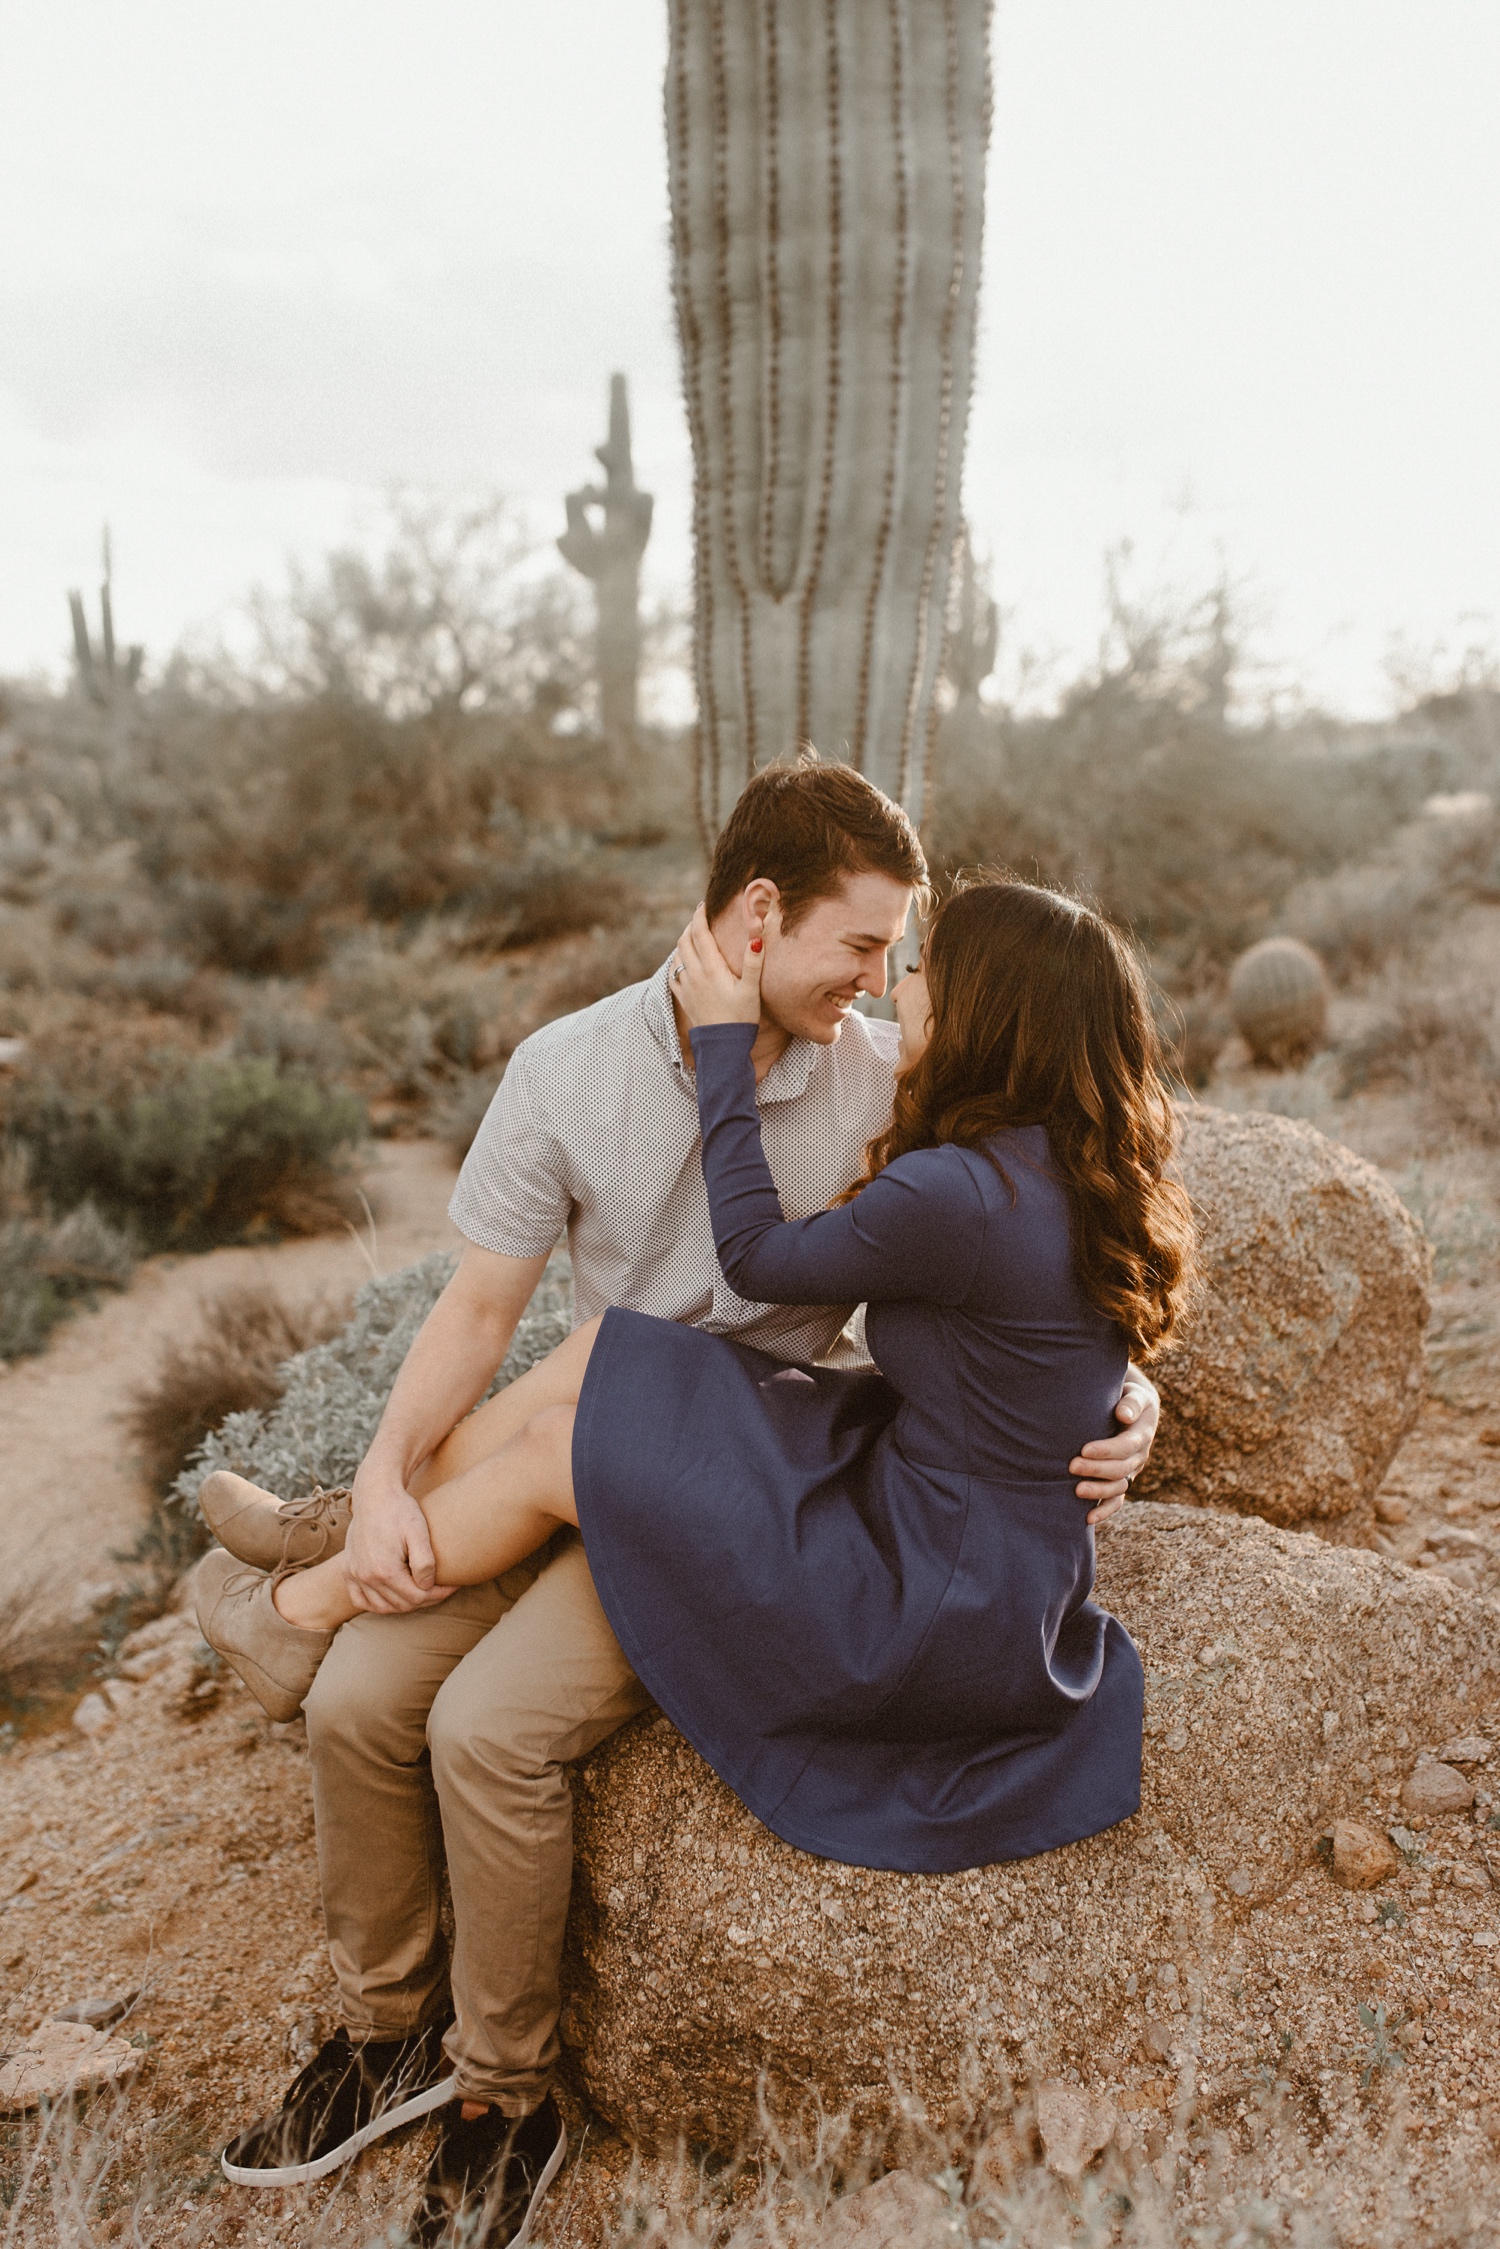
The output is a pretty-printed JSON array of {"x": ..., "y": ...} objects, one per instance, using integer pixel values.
[
  {"x": 899, "y": 2211},
  {"x": 1158, "y": 2042},
  {"x": 148, "y": 1662},
  {"x": 1437, "y": 1788},
  {"x": 100, "y": 2009},
  {"x": 14, "y": 1956},
  {"x": 1390, "y": 1509},
  {"x": 118, "y": 1693},
  {"x": 160, "y": 1632},
  {"x": 1074, "y": 2127},
  {"x": 89, "y": 1598},
  {"x": 1469, "y": 1749},
  {"x": 63, "y": 2058},
  {"x": 1242, "y": 1882},
  {"x": 92, "y": 1715},
  {"x": 1361, "y": 1856}
]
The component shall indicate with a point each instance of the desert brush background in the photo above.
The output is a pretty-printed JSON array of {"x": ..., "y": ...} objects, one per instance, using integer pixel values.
[{"x": 268, "y": 935}]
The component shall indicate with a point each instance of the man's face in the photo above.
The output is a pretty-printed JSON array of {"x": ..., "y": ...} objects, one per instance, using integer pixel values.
[{"x": 816, "y": 971}]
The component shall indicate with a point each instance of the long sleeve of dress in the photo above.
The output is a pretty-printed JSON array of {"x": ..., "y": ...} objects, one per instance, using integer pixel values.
[{"x": 916, "y": 1231}]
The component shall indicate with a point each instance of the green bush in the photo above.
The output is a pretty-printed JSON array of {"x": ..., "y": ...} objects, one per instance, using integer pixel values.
[
  {"x": 48, "y": 1269},
  {"x": 218, "y": 1149}
]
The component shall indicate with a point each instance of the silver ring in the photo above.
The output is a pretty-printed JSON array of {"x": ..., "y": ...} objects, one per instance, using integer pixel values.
[{"x": 677, "y": 971}]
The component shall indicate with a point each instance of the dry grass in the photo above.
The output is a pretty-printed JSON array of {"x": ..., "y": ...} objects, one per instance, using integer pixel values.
[
  {"x": 232, "y": 1365},
  {"x": 1366, "y": 2178},
  {"x": 39, "y": 1657}
]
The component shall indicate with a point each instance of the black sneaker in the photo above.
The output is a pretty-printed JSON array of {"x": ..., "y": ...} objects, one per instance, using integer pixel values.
[
  {"x": 346, "y": 2097},
  {"x": 487, "y": 2178}
]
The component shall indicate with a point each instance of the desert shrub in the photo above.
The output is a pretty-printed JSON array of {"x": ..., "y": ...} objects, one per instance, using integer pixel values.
[
  {"x": 458, "y": 1113},
  {"x": 413, "y": 1013},
  {"x": 1445, "y": 1044},
  {"x": 450, "y": 616},
  {"x": 49, "y": 1267},
  {"x": 1141, "y": 789},
  {"x": 543, "y": 898},
  {"x": 1363, "y": 912},
  {"x": 233, "y": 1365},
  {"x": 41, "y": 1654},
  {"x": 247, "y": 929},
  {"x": 334, "y": 1394},
  {"x": 213, "y": 1149},
  {"x": 1464, "y": 1235},
  {"x": 610, "y": 960},
  {"x": 165, "y": 984}
]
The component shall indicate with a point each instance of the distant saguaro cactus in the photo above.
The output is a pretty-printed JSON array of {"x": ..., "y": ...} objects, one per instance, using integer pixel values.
[
  {"x": 968, "y": 658},
  {"x": 826, "y": 165},
  {"x": 99, "y": 678},
  {"x": 610, "y": 553},
  {"x": 1278, "y": 996}
]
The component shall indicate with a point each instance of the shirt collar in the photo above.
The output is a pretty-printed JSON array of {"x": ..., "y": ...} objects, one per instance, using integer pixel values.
[{"x": 788, "y": 1077}]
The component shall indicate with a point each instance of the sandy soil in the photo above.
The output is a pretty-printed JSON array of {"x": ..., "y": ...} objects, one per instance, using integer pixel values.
[
  {"x": 168, "y": 1860},
  {"x": 71, "y": 1495}
]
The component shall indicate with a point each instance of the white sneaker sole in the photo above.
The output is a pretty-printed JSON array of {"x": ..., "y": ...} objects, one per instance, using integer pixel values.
[
  {"x": 389, "y": 2120},
  {"x": 550, "y": 2170}
]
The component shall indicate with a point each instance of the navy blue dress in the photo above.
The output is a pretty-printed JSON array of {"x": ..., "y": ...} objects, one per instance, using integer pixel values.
[{"x": 864, "y": 1597}]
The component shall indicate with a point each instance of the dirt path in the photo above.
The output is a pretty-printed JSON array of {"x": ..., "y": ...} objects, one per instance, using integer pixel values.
[{"x": 70, "y": 1493}]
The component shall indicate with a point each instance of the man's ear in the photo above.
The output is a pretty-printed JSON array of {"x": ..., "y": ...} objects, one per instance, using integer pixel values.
[{"x": 761, "y": 899}]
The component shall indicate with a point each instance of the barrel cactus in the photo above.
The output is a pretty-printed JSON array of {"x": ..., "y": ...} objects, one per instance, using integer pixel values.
[
  {"x": 1278, "y": 995},
  {"x": 826, "y": 168}
]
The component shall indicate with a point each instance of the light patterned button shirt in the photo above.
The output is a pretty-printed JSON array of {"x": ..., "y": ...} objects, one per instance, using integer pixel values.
[{"x": 595, "y": 1131}]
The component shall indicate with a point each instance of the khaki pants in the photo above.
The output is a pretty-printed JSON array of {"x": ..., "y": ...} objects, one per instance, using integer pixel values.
[{"x": 444, "y": 1733}]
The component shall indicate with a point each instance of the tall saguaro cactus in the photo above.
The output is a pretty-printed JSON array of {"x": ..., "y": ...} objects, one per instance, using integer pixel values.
[
  {"x": 609, "y": 553},
  {"x": 826, "y": 163}
]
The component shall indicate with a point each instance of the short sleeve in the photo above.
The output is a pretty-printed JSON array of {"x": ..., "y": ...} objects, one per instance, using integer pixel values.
[{"x": 510, "y": 1196}]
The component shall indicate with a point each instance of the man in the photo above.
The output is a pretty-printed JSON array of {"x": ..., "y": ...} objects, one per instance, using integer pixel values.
[{"x": 441, "y": 1725}]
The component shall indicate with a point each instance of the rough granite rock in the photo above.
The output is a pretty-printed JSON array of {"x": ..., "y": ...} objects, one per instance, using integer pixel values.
[
  {"x": 61, "y": 2058},
  {"x": 1302, "y": 1369},
  {"x": 703, "y": 1952},
  {"x": 1362, "y": 1856},
  {"x": 1434, "y": 1789},
  {"x": 1073, "y": 2127}
]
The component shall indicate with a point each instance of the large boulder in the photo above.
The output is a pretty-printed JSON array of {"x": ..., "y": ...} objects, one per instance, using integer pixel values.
[
  {"x": 1301, "y": 1369},
  {"x": 703, "y": 1952}
]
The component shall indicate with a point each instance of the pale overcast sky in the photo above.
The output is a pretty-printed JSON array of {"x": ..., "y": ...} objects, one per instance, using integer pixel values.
[{"x": 259, "y": 262}]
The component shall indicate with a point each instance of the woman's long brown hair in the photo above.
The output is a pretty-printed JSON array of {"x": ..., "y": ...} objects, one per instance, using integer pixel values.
[{"x": 1040, "y": 1017}]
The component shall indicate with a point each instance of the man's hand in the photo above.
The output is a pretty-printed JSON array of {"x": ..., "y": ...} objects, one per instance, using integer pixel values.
[
  {"x": 1110, "y": 1465},
  {"x": 388, "y": 1552}
]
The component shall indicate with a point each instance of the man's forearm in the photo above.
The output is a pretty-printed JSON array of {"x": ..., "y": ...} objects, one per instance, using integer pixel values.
[{"x": 453, "y": 1359}]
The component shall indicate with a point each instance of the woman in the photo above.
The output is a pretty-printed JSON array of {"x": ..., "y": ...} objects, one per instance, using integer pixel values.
[{"x": 864, "y": 1597}]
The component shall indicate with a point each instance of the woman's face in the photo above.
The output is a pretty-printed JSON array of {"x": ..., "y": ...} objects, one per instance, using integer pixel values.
[{"x": 913, "y": 1014}]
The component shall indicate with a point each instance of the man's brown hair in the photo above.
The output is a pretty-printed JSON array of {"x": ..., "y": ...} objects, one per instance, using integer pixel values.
[{"x": 807, "y": 826}]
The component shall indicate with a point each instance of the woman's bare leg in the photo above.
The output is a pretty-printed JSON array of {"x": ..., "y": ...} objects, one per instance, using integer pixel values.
[
  {"x": 483, "y": 1520},
  {"x": 556, "y": 1380}
]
